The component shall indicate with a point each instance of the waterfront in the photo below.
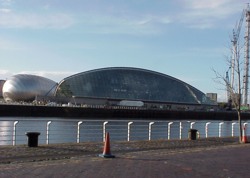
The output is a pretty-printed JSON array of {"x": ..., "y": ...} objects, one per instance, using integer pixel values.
[{"x": 212, "y": 157}]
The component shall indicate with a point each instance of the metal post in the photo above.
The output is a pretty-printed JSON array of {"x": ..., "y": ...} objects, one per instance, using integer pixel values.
[
  {"x": 150, "y": 130},
  {"x": 129, "y": 130},
  {"x": 233, "y": 128},
  {"x": 78, "y": 131},
  {"x": 191, "y": 125},
  {"x": 104, "y": 130},
  {"x": 14, "y": 133},
  {"x": 169, "y": 124},
  {"x": 180, "y": 130},
  {"x": 48, "y": 124},
  {"x": 245, "y": 126},
  {"x": 206, "y": 128},
  {"x": 220, "y": 128}
]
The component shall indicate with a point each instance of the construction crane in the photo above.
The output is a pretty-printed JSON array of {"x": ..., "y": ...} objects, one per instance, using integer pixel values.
[
  {"x": 235, "y": 42},
  {"x": 246, "y": 65},
  {"x": 228, "y": 85}
]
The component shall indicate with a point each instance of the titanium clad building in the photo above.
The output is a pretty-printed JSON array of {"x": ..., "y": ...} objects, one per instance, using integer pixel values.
[
  {"x": 1, "y": 87},
  {"x": 126, "y": 83},
  {"x": 23, "y": 87}
]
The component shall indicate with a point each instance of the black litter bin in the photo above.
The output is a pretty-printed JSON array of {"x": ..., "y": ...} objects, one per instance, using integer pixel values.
[
  {"x": 32, "y": 138},
  {"x": 192, "y": 134}
]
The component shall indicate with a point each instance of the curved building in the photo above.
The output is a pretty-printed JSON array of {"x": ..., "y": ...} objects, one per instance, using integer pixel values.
[
  {"x": 24, "y": 87},
  {"x": 130, "y": 84},
  {"x": 1, "y": 87}
]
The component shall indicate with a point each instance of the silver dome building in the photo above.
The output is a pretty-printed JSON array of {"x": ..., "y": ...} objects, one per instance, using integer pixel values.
[
  {"x": 24, "y": 87},
  {"x": 1, "y": 87}
]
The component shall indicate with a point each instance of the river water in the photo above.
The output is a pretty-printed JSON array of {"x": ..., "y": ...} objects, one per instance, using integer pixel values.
[{"x": 71, "y": 130}]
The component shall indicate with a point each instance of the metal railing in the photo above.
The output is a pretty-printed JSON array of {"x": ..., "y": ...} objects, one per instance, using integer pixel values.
[{"x": 12, "y": 132}]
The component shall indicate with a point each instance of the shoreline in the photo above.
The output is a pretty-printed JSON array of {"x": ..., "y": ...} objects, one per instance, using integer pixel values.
[{"x": 97, "y": 113}]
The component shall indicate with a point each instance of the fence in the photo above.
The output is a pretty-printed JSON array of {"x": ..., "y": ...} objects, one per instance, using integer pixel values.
[{"x": 12, "y": 132}]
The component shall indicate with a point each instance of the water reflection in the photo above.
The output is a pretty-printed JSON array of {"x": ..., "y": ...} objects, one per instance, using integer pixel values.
[{"x": 6, "y": 131}]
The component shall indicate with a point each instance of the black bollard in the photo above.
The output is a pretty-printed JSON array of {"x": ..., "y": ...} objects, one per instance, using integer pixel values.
[{"x": 32, "y": 138}]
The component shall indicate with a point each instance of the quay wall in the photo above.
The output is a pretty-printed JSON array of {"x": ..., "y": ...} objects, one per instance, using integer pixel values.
[{"x": 102, "y": 113}]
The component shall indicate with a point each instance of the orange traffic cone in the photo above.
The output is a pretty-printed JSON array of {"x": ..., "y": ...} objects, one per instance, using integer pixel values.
[
  {"x": 106, "y": 149},
  {"x": 244, "y": 137}
]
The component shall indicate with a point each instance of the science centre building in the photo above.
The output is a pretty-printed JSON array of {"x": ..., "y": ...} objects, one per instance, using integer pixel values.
[
  {"x": 107, "y": 86},
  {"x": 24, "y": 87}
]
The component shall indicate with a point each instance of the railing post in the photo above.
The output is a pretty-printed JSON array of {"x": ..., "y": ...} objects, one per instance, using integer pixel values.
[
  {"x": 129, "y": 130},
  {"x": 14, "y": 133},
  {"x": 169, "y": 124},
  {"x": 150, "y": 130},
  {"x": 180, "y": 130},
  {"x": 220, "y": 128},
  {"x": 206, "y": 128},
  {"x": 245, "y": 127},
  {"x": 78, "y": 131},
  {"x": 233, "y": 128},
  {"x": 104, "y": 130},
  {"x": 47, "y": 133},
  {"x": 191, "y": 125}
]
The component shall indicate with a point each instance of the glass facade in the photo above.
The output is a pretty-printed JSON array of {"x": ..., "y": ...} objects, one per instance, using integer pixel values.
[{"x": 130, "y": 84}]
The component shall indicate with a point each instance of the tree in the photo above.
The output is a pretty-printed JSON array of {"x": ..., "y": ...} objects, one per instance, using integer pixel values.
[{"x": 234, "y": 89}]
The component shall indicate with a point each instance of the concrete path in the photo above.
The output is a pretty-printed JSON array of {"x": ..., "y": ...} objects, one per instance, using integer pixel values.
[{"x": 229, "y": 161}]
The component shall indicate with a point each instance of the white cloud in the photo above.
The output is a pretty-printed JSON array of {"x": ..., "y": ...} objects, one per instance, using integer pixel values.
[
  {"x": 6, "y": 2},
  {"x": 207, "y": 14},
  {"x": 4, "y": 10},
  {"x": 5, "y": 74},
  {"x": 106, "y": 24},
  {"x": 8, "y": 44},
  {"x": 31, "y": 20},
  {"x": 57, "y": 76}
]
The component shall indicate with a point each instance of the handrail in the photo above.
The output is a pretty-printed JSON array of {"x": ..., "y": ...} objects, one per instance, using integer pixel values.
[{"x": 12, "y": 132}]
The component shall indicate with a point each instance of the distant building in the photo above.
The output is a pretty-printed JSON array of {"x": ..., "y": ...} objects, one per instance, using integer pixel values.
[
  {"x": 109, "y": 87},
  {"x": 24, "y": 87},
  {"x": 1, "y": 87},
  {"x": 212, "y": 96},
  {"x": 125, "y": 83}
]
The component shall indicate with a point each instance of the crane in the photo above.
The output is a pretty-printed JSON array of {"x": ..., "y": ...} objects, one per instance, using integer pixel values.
[
  {"x": 246, "y": 65},
  {"x": 228, "y": 84},
  {"x": 235, "y": 42}
]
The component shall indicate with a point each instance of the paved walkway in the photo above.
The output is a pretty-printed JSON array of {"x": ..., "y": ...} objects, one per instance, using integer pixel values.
[{"x": 200, "y": 158}]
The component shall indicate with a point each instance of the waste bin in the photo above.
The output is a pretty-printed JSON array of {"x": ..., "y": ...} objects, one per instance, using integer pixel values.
[
  {"x": 32, "y": 138},
  {"x": 192, "y": 134}
]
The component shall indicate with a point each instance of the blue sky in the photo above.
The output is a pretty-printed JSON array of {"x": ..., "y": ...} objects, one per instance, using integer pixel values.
[{"x": 57, "y": 38}]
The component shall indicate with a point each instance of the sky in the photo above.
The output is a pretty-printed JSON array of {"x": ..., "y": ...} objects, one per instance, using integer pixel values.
[{"x": 185, "y": 39}]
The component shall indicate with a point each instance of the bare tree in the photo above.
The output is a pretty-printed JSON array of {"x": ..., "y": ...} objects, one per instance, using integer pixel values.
[{"x": 234, "y": 89}]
